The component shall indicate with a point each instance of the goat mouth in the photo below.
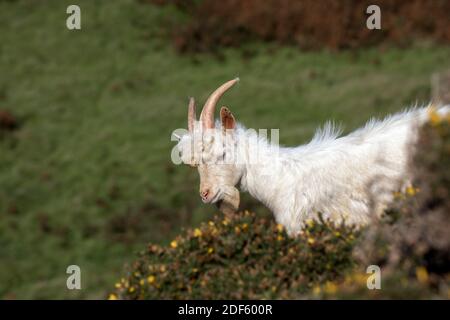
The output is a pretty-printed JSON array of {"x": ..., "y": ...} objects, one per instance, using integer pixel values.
[{"x": 213, "y": 199}]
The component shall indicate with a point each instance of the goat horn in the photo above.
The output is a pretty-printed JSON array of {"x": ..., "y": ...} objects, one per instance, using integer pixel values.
[
  {"x": 207, "y": 115},
  {"x": 191, "y": 114}
]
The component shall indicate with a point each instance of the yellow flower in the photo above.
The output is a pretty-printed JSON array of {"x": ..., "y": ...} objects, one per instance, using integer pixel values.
[
  {"x": 316, "y": 290},
  {"x": 280, "y": 227},
  {"x": 211, "y": 224},
  {"x": 210, "y": 250},
  {"x": 310, "y": 223},
  {"x": 197, "y": 233},
  {"x": 360, "y": 278},
  {"x": 131, "y": 290},
  {"x": 422, "y": 275},
  {"x": 280, "y": 238},
  {"x": 311, "y": 240},
  {"x": 151, "y": 279},
  {"x": 330, "y": 288},
  {"x": 337, "y": 234},
  {"x": 244, "y": 226},
  {"x": 174, "y": 244},
  {"x": 225, "y": 222},
  {"x": 142, "y": 282},
  {"x": 112, "y": 296},
  {"x": 118, "y": 285},
  {"x": 435, "y": 119},
  {"x": 411, "y": 191}
]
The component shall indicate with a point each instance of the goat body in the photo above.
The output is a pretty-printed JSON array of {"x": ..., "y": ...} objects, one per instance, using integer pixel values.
[{"x": 348, "y": 179}]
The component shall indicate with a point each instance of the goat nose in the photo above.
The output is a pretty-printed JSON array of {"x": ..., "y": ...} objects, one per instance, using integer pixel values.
[{"x": 204, "y": 193}]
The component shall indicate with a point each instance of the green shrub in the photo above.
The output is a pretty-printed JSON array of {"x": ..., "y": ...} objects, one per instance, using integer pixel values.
[
  {"x": 240, "y": 257},
  {"x": 413, "y": 246}
]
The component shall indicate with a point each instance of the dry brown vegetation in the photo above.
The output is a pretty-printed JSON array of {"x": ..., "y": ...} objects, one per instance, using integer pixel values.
[{"x": 308, "y": 23}]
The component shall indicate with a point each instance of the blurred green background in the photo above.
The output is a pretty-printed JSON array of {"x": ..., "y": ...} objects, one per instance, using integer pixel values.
[{"x": 86, "y": 177}]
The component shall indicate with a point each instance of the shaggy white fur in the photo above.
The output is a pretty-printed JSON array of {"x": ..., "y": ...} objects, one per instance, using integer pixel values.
[
  {"x": 344, "y": 178},
  {"x": 347, "y": 179}
]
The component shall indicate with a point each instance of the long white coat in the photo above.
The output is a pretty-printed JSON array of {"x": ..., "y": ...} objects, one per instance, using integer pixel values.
[{"x": 344, "y": 178}]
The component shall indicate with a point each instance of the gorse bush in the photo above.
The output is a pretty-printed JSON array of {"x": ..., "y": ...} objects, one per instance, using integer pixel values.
[
  {"x": 249, "y": 257},
  {"x": 412, "y": 244},
  {"x": 239, "y": 257},
  {"x": 420, "y": 220},
  {"x": 415, "y": 243}
]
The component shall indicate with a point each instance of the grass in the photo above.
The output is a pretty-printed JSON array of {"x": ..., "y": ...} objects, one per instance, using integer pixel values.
[{"x": 87, "y": 178}]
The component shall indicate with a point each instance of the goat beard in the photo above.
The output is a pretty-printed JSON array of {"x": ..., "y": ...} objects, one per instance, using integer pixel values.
[{"x": 230, "y": 203}]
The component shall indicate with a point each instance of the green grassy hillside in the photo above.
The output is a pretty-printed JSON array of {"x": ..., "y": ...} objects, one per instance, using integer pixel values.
[{"x": 86, "y": 178}]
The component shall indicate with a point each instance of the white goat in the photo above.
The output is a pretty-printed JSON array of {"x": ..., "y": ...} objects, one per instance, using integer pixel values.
[{"x": 344, "y": 178}]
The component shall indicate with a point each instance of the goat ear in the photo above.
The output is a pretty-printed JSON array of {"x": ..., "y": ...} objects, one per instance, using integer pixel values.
[{"x": 227, "y": 118}]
